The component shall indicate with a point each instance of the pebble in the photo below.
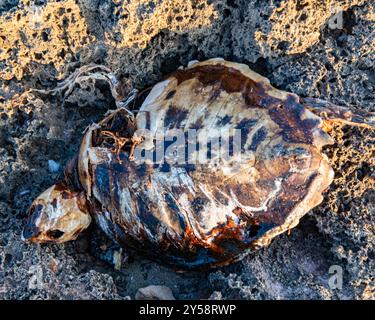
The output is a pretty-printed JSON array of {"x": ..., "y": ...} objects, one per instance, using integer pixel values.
[
  {"x": 153, "y": 292},
  {"x": 53, "y": 166}
]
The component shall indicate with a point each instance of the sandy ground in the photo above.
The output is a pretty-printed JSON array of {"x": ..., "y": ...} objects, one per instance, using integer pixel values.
[{"x": 298, "y": 45}]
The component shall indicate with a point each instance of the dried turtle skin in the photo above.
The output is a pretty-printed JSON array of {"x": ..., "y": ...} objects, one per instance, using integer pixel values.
[{"x": 201, "y": 214}]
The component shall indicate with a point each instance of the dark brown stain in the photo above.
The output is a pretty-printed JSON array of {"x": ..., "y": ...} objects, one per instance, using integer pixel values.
[
  {"x": 215, "y": 94},
  {"x": 288, "y": 115},
  {"x": 82, "y": 202},
  {"x": 258, "y": 137},
  {"x": 117, "y": 122},
  {"x": 68, "y": 194},
  {"x": 245, "y": 126},
  {"x": 145, "y": 214},
  {"x": 174, "y": 117},
  {"x": 31, "y": 230},
  {"x": 289, "y": 198},
  {"x": 197, "y": 125},
  {"x": 224, "y": 120},
  {"x": 60, "y": 186},
  {"x": 199, "y": 204},
  {"x": 225, "y": 78},
  {"x": 175, "y": 211},
  {"x": 71, "y": 175},
  {"x": 54, "y": 234}
]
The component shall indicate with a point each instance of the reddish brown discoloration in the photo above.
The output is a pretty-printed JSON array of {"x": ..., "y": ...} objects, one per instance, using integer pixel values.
[{"x": 229, "y": 79}]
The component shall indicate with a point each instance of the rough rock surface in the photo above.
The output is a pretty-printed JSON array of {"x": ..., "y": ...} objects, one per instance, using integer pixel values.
[{"x": 299, "y": 45}]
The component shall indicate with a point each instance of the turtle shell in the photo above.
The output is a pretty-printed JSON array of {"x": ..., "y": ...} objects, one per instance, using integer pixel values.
[{"x": 206, "y": 213}]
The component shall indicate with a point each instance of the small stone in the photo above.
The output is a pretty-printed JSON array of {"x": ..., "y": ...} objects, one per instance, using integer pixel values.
[
  {"x": 117, "y": 259},
  {"x": 53, "y": 166},
  {"x": 53, "y": 265},
  {"x": 24, "y": 192},
  {"x": 216, "y": 295},
  {"x": 154, "y": 293},
  {"x": 36, "y": 279}
]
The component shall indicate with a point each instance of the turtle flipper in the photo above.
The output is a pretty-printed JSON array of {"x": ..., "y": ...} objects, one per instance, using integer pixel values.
[{"x": 332, "y": 114}]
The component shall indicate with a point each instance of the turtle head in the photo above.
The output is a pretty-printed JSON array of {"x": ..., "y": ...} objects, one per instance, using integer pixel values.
[{"x": 57, "y": 215}]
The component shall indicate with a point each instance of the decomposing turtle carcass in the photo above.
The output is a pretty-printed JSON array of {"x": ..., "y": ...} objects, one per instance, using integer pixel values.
[{"x": 212, "y": 164}]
